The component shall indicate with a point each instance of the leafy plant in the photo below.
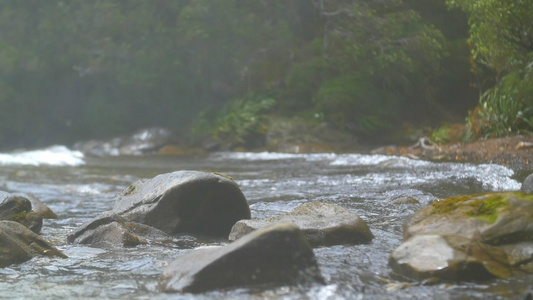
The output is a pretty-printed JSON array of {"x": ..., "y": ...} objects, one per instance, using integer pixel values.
[
  {"x": 449, "y": 133},
  {"x": 240, "y": 122},
  {"x": 506, "y": 108}
]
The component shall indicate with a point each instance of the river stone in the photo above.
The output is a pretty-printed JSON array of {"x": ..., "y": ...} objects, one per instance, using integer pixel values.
[
  {"x": 185, "y": 202},
  {"x": 19, "y": 209},
  {"x": 322, "y": 224},
  {"x": 38, "y": 207},
  {"x": 527, "y": 185},
  {"x": 111, "y": 230},
  {"x": 491, "y": 232},
  {"x": 449, "y": 257},
  {"x": 278, "y": 255},
  {"x": 19, "y": 244},
  {"x": 496, "y": 218}
]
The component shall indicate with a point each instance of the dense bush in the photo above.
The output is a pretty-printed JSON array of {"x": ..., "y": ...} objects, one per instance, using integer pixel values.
[
  {"x": 241, "y": 122},
  {"x": 506, "y": 108},
  {"x": 72, "y": 70},
  {"x": 501, "y": 39}
]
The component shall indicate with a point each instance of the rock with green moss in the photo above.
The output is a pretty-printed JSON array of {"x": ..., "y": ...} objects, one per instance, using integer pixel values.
[
  {"x": 19, "y": 209},
  {"x": 19, "y": 244},
  {"x": 489, "y": 234}
]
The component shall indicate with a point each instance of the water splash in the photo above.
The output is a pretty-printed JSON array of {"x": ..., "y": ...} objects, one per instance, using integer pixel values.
[{"x": 54, "y": 156}]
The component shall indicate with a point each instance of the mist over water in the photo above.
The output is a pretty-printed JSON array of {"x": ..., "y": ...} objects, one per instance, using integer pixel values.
[{"x": 78, "y": 188}]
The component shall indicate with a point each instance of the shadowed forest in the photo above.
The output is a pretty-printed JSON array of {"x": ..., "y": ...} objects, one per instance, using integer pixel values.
[{"x": 74, "y": 70}]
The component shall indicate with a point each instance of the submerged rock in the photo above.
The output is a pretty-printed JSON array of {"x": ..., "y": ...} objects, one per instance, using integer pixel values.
[
  {"x": 468, "y": 237},
  {"x": 183, "y": 202},
  {"x": 276, "y": 255},
  {"x": 321, "y": 223},
  {"x": 111, "y": 230},
  {"x": 19, "y": 244}
]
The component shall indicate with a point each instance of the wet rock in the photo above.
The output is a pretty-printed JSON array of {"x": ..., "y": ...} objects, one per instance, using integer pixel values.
[
  {"x": 183, "y": 202},
  {"x": 278, "y": 255},
  {"x": 141, "y": 142},
  {"x": 19, "y": 209},
  {"x": 528, "y": 295},
  {"x": 487, "y": 234},
  {"x": 321, "y": 223},
  {"x": 496, "y": 218},
  {"x": 111, "y": 230},
  {"x": 449, "y": 257},
  {"x": 19, "y": 244},
  {"x": 38, "y": 207},
  {"x": 145, "y": 140},
  {"x": 527, "y": 185}
]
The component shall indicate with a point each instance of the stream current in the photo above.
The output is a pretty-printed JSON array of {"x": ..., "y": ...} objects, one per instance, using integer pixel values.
[{"x": 78, "y": 188}]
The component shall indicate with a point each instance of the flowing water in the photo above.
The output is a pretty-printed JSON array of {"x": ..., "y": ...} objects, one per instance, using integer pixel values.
[{"x": 78, "y": 188}]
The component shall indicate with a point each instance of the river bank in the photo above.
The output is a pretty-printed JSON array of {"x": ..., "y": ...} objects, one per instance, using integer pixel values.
[
  {"x": 298, "y": 136},
  {"x": 515, "y": 152}
]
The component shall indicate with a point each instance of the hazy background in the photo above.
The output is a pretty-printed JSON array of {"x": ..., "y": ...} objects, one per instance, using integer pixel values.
[{"x": 73, "y": 70}]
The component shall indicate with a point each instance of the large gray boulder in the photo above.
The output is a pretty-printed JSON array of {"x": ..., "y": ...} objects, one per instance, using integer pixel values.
[
  {"x": 321, "y": 223},
  {"x": 468, "y": 238},
  {"x": 277, "y": 255},
  {"x": 19, "y": 244},
  {"x": 183, "y": 202}
]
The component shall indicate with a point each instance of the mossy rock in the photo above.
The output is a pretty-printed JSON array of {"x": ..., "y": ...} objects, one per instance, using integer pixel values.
[
  {"x": 19, "y": 209},
  {"x": 497, "y": 218},
  {"x": 469, "y": 238}
]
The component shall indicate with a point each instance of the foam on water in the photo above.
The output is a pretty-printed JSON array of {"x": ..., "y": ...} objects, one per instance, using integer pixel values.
[
  {"x": 54, "y": 156},
  {"x": 491, "y": 176},
  {"x": 261, "y": 156}
]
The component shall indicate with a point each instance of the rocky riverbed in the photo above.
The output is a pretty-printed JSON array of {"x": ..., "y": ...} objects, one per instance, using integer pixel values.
[{"x": 515, "y": 152}]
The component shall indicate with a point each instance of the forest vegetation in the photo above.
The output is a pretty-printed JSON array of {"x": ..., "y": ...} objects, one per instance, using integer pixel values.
[{"x": 76, "y": 69}]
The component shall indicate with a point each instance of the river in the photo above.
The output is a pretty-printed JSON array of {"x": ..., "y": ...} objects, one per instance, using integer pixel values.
[{"x": 78, "y": 188}]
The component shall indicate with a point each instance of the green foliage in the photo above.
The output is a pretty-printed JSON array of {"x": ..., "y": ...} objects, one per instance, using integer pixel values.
[
  {"x": 71, "y": 70},
  {"x": 449, "y": 133},
  {"x": 240, "y": 122},
  {"x": 501, "y": 32},
  {"x": 353, "y": 104},
  {"x": 501, "y": 38},
  {"x": 506, "y": 108}
]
